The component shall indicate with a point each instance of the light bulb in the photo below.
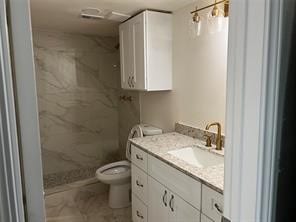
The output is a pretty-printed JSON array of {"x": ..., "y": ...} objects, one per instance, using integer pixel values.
[
  {"x": 195, "y": 24},
  {"x": 216, "y": 20}
]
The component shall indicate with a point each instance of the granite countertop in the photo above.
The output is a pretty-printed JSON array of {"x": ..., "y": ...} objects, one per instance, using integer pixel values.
[{"x": 159, "y": 145}]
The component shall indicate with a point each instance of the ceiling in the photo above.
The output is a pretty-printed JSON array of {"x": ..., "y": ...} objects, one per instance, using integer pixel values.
[{"x": 63, "y": 15}]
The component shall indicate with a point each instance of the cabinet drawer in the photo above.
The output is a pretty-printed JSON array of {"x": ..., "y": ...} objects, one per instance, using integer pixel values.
[
  {"x": 212, "y": 203},
  {"x": 139, "y": 183},
  {"x": 181, "y": 184},
  {"x": 139, "y": 210},
  {"x": 139, "y": 158}
]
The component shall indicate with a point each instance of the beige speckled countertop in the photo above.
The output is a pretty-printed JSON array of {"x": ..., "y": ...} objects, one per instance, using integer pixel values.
[{"x": 159, "y": 145}]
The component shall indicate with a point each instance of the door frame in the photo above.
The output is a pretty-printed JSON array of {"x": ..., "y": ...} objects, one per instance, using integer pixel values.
[
  {"x": 21, "y": 45},
  {"x": 252, "y": 92},
  {"x": 11, "y": 196},
  {"x": 251, "y": 114}
]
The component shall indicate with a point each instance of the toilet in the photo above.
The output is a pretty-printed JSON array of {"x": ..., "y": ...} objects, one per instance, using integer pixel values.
[{"x": 118, "y": 174}]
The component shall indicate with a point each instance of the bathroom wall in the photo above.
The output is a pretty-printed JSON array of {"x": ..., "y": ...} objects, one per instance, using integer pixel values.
[
  {"x": 199, "y": 78},
  {"x": 129, "y": 116},
  {"x": 78, "y": 84}
]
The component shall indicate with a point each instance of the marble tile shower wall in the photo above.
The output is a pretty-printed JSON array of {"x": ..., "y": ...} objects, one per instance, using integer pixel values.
[{"x": 78, "y": 85}]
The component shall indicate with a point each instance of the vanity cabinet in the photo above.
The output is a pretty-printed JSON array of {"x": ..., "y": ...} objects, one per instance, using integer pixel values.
[
  {"x": 146, "y": 52},
  {"x": 163, "y": 193}
]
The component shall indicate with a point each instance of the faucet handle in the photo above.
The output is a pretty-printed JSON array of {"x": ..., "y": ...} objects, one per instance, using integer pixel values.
[{"x": 208, "y": 140}]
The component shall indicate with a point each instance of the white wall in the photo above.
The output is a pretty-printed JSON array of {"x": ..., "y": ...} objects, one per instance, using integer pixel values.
[{"x": 199, "y": 79}]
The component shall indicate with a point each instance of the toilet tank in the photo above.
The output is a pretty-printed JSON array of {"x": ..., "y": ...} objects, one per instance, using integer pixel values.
[{"x": 149, "y": 130}]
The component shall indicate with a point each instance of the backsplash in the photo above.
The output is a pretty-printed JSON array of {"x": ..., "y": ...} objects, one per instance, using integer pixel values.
[{"x": 197, "y": 133}]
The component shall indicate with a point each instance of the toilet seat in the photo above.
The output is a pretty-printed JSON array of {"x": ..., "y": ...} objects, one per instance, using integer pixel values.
[{"x": 116, "y": 172}]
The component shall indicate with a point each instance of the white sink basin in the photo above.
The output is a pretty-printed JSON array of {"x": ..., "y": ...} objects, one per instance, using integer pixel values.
[{"x": 197, "y": 157}]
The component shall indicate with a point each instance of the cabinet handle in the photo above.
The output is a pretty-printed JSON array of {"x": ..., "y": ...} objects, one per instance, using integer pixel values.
[
  {"x": 172, "y": 203},
  {"x": 139, "y": 157},
  {"x": 139, "y": 184},
  {"x": 164, "y": 198},
  {"x": 139, "y": 215},
  {"x": 218, "y": 208}
]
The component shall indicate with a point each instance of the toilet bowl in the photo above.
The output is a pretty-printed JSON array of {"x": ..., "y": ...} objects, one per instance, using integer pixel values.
[{"x": 118, "y": 174}]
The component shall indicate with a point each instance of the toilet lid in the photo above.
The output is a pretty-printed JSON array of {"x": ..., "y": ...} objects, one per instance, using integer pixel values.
[{"x": 136, "y": 131}]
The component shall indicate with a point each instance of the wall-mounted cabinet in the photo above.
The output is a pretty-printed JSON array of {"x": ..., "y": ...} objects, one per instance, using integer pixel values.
[{"x": 146, "y": 52}]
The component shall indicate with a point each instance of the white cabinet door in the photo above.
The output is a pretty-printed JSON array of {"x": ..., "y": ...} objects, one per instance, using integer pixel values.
[
  {"x": 178, "y": 182},
  {"x": 138, "y": 73},
  {"x": 146, "y": 37},
  {"x": 181, "y": 211},
  {"x": 125, "y": 55},
  {"x": 157, "y": 201}
]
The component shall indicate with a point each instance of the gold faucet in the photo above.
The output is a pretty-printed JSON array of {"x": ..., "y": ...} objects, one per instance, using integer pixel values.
[{"x": 219, "y": 135}]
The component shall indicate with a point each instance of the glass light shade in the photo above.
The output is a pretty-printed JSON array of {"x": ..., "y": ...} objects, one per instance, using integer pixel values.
[
  {"x": 195, "y": 27},
  {"x": 216, "y": 20}
]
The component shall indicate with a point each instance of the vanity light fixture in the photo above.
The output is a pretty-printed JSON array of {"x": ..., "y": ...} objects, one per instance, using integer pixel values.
[
  {"x": 196, "y": 17},
  {"x": 216, "y": 12},
  {"x": 215, "y": 17},
  {"x": 196, "y": 24}
]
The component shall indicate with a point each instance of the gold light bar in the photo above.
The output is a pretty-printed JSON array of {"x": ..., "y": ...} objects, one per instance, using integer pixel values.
[{"x": 226, "y": 7}]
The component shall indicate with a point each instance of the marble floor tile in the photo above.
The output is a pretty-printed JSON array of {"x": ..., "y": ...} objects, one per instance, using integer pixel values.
[{"x": 83, "y": 204}]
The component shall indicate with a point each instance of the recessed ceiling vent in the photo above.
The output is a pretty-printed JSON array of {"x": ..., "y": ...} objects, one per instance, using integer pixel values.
[
  {"x": 91, "y": 13},
  {"x": 94, "y": 13}
]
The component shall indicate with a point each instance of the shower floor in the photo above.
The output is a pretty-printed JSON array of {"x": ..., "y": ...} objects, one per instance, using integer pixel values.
[{"x": 83, "y": 204}]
